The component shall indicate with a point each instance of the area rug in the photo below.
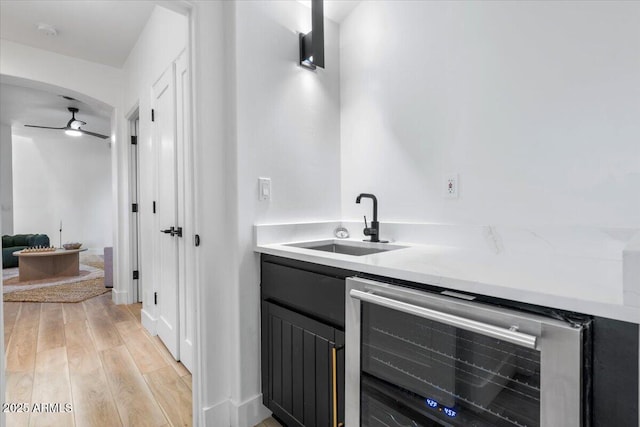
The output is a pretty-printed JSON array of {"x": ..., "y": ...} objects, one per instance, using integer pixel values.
[
  {"x": 73, "y": 292},
  {"x": 88, "y": 284}
]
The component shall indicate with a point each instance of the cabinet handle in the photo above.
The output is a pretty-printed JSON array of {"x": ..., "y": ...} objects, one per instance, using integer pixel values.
[{"x": 334, "y": 379}]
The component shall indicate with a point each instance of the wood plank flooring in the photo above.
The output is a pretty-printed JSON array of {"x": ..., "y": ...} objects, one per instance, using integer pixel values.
[
  {"x": 269, "y": 422},
  {"x": 96, "y": 356}
]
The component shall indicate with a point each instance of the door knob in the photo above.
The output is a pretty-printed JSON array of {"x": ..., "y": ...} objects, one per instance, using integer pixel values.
[
  {"x": 170, "y": 230},
  {"x": 173, "y": 231}
]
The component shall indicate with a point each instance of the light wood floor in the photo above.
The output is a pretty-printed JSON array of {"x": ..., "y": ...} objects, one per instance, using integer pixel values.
[
  {"x": 96, "y": 356},
  {"x": 269, "y": 422}
]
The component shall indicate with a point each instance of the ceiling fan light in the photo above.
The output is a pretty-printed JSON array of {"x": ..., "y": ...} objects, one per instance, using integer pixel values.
[
  {"x": 76, "y": 124},
  {"x": 72, "y": 132}
]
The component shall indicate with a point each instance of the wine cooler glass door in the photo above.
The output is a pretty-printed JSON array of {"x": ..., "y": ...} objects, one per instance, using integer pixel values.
[{"x": 428, "y": 360}]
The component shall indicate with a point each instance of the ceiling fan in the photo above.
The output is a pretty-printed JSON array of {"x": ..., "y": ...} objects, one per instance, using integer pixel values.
[{"x": 73, "y": 126}]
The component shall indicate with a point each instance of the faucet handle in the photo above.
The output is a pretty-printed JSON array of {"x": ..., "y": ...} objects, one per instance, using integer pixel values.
[{"x": 369, "y": 231}]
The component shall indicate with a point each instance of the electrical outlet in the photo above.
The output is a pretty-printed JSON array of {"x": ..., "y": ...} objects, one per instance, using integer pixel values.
[
  {"x": 264, "y": 189},
  {"x": 450, "y": 188}
]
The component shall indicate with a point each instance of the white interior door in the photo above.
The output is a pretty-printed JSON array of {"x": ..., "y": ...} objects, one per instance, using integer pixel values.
[
  {"x": 185, "y": 214},
  {"x": 164, "y": 114}
]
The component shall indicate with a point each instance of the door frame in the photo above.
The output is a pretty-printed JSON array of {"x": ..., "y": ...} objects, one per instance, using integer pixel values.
[
  {"x": 187, "y": 8},
  {"x": 186, "y": 210},
  {"x": 134, "y": 197}
]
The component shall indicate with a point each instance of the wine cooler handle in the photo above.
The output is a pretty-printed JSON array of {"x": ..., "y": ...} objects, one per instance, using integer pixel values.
[{"x": 514, "y": 337}]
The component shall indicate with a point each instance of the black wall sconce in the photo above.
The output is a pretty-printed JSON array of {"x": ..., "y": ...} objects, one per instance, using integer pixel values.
[{"x": 312, "y": 43}]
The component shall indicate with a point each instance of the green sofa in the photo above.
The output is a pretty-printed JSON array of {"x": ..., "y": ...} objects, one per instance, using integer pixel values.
[{"x": 11, "y": 244}]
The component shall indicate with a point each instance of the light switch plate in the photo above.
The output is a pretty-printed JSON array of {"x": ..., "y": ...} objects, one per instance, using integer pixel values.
[{"x": 264, "y": 189}]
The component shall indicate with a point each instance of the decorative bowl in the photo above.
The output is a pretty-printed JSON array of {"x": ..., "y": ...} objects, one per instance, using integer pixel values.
[{"x": 69, "y": 246}]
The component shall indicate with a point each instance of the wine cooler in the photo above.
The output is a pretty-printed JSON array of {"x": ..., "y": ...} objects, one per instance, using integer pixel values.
[{"x": 415, "y": 358}]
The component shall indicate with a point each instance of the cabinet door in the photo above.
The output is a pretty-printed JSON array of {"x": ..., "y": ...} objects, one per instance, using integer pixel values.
[{"x": 298, "y": 368}]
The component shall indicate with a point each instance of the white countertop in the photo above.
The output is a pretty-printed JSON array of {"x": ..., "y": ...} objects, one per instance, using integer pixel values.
[{"x": 589, "y": 282}]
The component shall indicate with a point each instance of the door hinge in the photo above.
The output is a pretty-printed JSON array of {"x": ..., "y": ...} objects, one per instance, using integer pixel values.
[
  {"x": 136, "y": 274},
  {"x": 134, "y": 140},
  {"x": 154, "y": 206},
  {"x": 153, "y": 115},
  {"x": 196, "y": 240},
  {"x": 134, "y": 207},
  {"x": 155, "y": 298}
]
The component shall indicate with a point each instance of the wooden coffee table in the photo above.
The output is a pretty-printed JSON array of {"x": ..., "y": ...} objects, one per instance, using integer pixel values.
[{"x": 46, "y": 265}]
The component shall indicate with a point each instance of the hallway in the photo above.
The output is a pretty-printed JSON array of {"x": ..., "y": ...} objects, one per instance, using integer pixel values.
[{"x": 95, "y": 356}]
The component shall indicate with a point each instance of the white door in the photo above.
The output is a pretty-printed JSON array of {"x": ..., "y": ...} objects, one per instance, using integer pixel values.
[
  {"x": 185, "y": 215},
  {"x": 164, "y": 124}
]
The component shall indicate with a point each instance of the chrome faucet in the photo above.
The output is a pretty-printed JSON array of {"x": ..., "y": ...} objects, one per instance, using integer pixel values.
[{"x": 374, "y": 230}]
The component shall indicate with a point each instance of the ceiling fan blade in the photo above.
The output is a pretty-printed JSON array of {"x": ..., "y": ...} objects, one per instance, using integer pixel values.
[
  {"x": 73, "y": 125},
  {"x": 44, "y": 127},
  {"x": 92, "y": 133}
]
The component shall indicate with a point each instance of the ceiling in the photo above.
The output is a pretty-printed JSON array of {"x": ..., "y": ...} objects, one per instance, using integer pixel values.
[
  {"x": 336, "y": 10},
  {"x": 22, "y": 105},
  {"x": 102, "y": 31}
]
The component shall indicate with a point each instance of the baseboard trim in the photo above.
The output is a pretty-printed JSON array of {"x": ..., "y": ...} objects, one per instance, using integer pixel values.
[
  {"x": 148, "y": 322},
  {"x": 217, "y": 415},
  {"x": 248, "y": 413},
  {"x": 230, "y": 414},
  {"x": 119, "y": 297}
]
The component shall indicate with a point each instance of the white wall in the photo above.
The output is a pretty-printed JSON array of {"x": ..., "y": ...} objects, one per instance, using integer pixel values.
[
  {"x": 92, "y": 83},
  {"x": 257, "y": 114},
  {"x": 63, "y": 178},
  {"x": 86, "y": 79},
  {"x": 286, "y": 127},
  {"x": 216, "y": 254},
  {"x": 288, "y": 118},
  {"x": 6, "y": 180},
  {"x": 534, "y": 104}
]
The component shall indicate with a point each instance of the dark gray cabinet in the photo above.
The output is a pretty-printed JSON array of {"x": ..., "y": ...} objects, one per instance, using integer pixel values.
[
  {"x": 303, "y": 342},
  {"x": 304, "y": 366}
]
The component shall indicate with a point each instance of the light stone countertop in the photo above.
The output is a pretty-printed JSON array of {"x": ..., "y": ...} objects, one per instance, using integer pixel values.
[{"x": 529, "y": 266}]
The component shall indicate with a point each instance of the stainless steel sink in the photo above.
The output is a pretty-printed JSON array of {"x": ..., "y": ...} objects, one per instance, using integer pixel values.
[{"x": 351, "y": 248}]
